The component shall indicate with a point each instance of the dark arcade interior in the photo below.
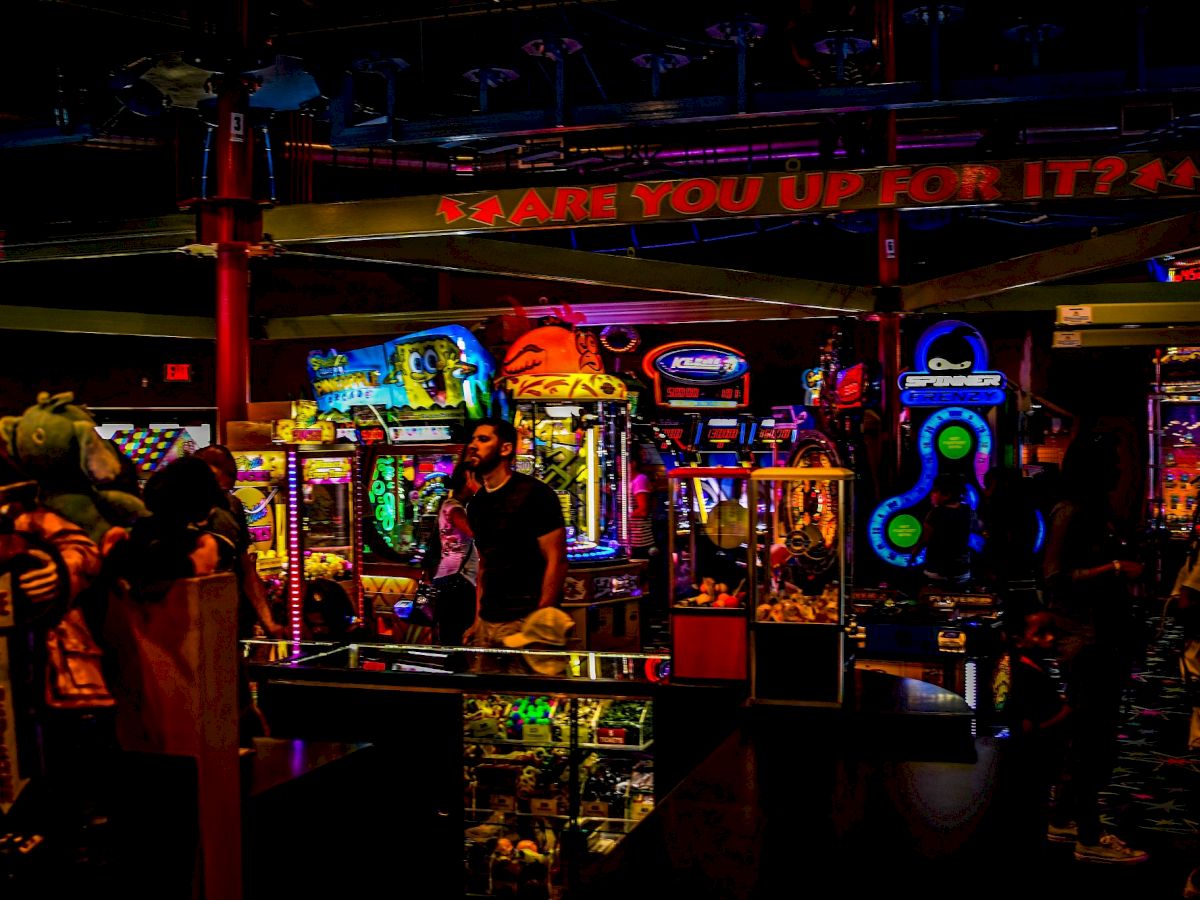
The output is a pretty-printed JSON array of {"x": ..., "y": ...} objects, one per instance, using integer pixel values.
[{"x": 400, "y": 167}]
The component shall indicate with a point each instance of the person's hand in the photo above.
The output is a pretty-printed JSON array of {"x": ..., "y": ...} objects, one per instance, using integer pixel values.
[
  {"x": 206, "y": 556},
  {"x": 274, "y": 630},
  {"x": 1131, "y": 569},
  {"x": 471, "y": 485},
  {"x": 468, "y": 637},
  {"x": 41, "y": 584}
]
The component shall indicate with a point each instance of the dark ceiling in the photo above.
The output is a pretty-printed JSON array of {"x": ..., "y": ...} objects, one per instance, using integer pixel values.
[{"x": 379, "y": 107}]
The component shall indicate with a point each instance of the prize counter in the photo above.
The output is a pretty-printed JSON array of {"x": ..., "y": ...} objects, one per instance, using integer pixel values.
[{"x": 516, "y": 780}]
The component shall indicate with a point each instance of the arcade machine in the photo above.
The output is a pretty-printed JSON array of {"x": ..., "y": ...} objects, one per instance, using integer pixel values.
[
  {"x": 411, "y": 433},
  {"x": 774, "y": 437},
  {"x": 406, "y": 404},
  {"x": 798, "y": 636},
  {"x": 1174, "y": 419},
  {"x": 706, "y": 386},
  {"x": 711, "y": 579},
  {"x": 149, "y": 449},
  {"x": 325, "y": 540},
  {"x": 261, "y": 486},
  {"x": 946, "y": 635},
  {"x": 297, "y": 482},
  {"x": 572, "y": 420}
]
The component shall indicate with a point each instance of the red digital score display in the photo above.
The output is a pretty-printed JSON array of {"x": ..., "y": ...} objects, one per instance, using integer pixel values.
[
  {"x": 177, "y": 372},
  {"x": 723, "y": 434},
  {"x": 774, "y": 435}
]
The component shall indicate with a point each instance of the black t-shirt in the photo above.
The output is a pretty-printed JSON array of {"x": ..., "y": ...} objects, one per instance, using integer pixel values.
[
  {"x": 948, "y": 552},
  {"x": 507, "y": 523}
]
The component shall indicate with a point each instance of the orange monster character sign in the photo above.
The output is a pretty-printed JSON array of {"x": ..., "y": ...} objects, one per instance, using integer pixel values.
[{"x": 553, "y": 349}]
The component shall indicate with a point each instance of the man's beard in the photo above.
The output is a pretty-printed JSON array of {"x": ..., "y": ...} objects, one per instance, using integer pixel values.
[{"x": 481, "y": 465}]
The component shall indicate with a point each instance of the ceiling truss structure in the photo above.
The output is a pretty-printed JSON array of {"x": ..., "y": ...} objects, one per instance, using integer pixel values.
[{"x": 939, "y": 119}]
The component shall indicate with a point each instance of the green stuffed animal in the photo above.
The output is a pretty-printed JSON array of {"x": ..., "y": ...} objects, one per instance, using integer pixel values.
[{"x": 55, "y": 443}]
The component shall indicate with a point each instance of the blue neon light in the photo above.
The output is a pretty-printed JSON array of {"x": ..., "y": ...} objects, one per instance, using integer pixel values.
[
  {"x": 591, "y": 554},
  {"x": 940, "y": 329},
  {"x": 1041, "y": 531},
  {"x": 927, "y": 452}
]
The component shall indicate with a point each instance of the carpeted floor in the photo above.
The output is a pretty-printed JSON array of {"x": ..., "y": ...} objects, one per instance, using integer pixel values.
[{"x": 1156, "y": 787}]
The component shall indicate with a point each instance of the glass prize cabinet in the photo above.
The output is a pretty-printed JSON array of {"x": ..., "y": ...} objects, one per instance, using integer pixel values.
[
  {"x": 802, "y": 573},
  {"x": 537, "y": 771}
]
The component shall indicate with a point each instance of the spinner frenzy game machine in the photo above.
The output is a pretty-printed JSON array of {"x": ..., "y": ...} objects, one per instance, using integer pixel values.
[
  {"x": 946, "y": 634},
  {"x": 572, "y": 422},
  {"x": 408, "y": 402}
]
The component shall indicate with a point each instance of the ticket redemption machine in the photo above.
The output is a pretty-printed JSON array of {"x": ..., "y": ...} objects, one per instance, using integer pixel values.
[
  {"x": 572, "y": 422},
  {"x": 949, "y": 393},
  {"x": 262, "y": 487},
  {"x": 407, "y": 403},
  {"x": 324, "y": 542}
]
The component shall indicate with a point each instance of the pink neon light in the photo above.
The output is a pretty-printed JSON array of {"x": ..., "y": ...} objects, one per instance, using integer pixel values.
[{"x": 295, "y": 561}]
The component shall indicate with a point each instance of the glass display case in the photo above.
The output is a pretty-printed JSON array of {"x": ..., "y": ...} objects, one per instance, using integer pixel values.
[
  {"x": 711, "y": 587},
  {"x": 798, "y": 634},
  {"x": 543, "y": 775},
  {"x": 541, "y": 770}
]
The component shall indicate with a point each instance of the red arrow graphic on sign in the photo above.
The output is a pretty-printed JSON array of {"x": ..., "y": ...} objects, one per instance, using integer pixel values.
[
  {"x": 488, "y": 211},
  {"x": 450, "y": 210},
  {"x": 1150, "y": 176},
  {"x": 1185, "y": 174}
]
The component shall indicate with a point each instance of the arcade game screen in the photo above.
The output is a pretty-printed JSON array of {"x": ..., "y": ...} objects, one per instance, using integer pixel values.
[
  {"x": 327, "y": 505},
  {"x": 404, "y": 490}
]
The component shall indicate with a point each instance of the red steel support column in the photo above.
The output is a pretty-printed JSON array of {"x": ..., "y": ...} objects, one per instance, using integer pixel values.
[
  {"x": 236, "y": 221},
  {"x": 889, "y": 260}
]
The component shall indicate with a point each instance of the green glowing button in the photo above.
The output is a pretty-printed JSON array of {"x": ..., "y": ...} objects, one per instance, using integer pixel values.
[
  {"x": 904, "y": 530},
  {"x": 954, "y": 442}
]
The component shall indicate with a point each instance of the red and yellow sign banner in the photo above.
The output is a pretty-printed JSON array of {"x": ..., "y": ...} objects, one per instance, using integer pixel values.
[{"x": 1076, "y": 178}]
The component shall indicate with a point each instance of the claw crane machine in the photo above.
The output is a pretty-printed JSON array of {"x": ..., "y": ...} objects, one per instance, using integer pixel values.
[
  {"x": 798, "y": 636},
  {"x": 710, "y": 530},
  {"x": 572, "y": 422}
]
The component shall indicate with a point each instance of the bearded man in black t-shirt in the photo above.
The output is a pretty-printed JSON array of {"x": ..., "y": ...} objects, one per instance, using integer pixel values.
[{"x": 520, "y": 537}]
